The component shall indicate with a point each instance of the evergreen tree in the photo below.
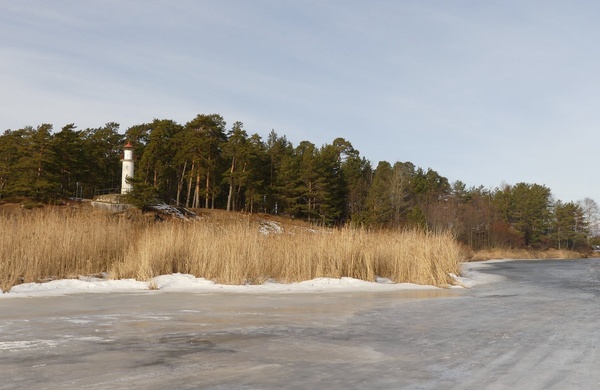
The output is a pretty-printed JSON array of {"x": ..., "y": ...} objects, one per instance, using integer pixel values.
[
  {"x": 280, "y": 158},
  {"x": 139, "y": 137},
  {"x": 12, "y": 148},
  {"x": 301, "y": 196},
  {"x": 156, "y": 164},
  {"x": 236, "y": 151},
  {"x": 379, "y": 208},
  {"x": 357, "y": 172},
  {"x": 429, "y": 190},
  {"x": 143, "y": 194},
  {"x": 257, "y": 175},
  {"x": 402, "y": 197},
  {"x": 206, "y": 138},
  {"x": 331, "y": 186},
  {"x": 570, "y": 226},
  {"x": 104, "y": 146},
  {"x": 35, "y": 166},
  {"x": 71, "y": 162},
  {"x": 290, "y": 188},
  {"x": 529, "y": 212}
]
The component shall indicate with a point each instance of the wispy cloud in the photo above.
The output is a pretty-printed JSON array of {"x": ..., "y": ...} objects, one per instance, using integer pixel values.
[{"x": 480, "y": 91}]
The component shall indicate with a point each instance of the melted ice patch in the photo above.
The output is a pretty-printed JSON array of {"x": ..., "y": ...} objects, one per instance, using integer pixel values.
[{"x": 27, "y": 345}]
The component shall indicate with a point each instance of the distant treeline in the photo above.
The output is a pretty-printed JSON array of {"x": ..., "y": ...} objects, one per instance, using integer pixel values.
[{"x": 202, "y": 164}]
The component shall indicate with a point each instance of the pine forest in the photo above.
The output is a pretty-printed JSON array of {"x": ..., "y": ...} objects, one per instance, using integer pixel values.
[{"x": 205, "y": 164}]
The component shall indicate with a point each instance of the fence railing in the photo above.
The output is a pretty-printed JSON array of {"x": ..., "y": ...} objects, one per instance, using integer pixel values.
[{"x": 108, "y": 191}]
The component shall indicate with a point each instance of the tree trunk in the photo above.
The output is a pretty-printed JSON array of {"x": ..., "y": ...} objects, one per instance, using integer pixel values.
[
  {"x": 197, "y": 191},
  {"x": 189, "y": 189},
  {"x": 231, "y": 184},
  {"x": 180, "y": 184},
  {"x": 236, "y": 203},
  {"x": 207, "y": 195}
]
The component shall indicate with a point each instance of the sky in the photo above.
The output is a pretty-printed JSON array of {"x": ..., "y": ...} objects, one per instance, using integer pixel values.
[{"x": 485, "y": 92}]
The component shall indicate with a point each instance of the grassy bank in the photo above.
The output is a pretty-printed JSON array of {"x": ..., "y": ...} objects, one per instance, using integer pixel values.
[{"x": 40, "y": 245}]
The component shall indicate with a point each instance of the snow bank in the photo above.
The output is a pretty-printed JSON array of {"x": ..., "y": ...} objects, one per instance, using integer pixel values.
[
  {"x": 181, "y": 282},
  {"x": 70, "y": 286},
  {"x": 189, "y": 283}
]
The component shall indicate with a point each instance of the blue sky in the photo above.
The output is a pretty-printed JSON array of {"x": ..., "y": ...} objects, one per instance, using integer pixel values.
[{"x": 486, "y": 92}]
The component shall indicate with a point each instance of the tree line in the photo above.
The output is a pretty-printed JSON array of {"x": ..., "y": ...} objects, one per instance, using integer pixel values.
[{"x": 204, "y": 164}]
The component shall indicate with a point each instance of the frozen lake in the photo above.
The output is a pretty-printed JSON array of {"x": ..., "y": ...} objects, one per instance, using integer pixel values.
[{"x": 536, "y": 329}]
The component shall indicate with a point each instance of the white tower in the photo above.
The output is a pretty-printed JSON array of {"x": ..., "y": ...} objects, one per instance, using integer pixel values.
[{"x": 127, "y": 168}]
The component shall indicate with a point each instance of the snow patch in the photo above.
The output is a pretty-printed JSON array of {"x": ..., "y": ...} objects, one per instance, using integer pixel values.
[
  {"x": 472, "y": 274},
  {"x": 69, "y": 286},
  {"x": 179, "y": 282},
  {"x": 177, "y": 212},
  {"x": 189, "y": 283},
  {"x": 270, "y": 227}
]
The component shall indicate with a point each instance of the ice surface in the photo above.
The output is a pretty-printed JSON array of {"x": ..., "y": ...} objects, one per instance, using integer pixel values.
[{"x": 534, "y": 328}]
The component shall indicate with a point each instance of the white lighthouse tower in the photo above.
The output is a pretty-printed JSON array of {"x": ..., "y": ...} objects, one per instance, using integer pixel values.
[{"x": 127, "y": 168}]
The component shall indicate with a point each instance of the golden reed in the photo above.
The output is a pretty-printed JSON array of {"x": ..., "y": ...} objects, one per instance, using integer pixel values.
[{"x": 40, "y": 245}]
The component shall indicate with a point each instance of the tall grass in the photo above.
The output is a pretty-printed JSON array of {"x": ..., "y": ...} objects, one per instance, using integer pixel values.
[
  {"x": 40, "y": 245},
  {"x": 524, "y": 254},
  {"x": 52, "y": 245}
]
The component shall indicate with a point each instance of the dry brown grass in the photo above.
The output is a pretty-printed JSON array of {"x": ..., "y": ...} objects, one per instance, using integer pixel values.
[
  {"x": 524, "y": 254},
  {"x": 235, "y": 254},
  {"x": 39, "y": 245}
]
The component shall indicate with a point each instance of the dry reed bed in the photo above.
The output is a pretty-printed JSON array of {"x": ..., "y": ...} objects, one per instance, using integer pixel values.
[
  {"x": 46, "y": 245},
  {"x": 524, "y": 254}
]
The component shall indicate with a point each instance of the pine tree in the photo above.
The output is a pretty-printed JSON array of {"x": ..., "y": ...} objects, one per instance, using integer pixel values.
[
  {"x": 379, "y": 208},
  {"x": 280, "y": 162},
  {"x": 12, "y": 148},
  {"x": 103, "y": 147},
  {"x": 206, "y": 138},
  {"x": 311, "y": 181},
  {"x": 71, "y": 162},
  {"x": 570, "y": 227},
  {"x": 402, "y": 198},
  {"x": 236, "y": 151},
  {"x": 35, "y": 167},
  {"x": 156, "y": 164},
  {"x": 529, "y": 212},
  {"x": 357, "y": 172}
]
